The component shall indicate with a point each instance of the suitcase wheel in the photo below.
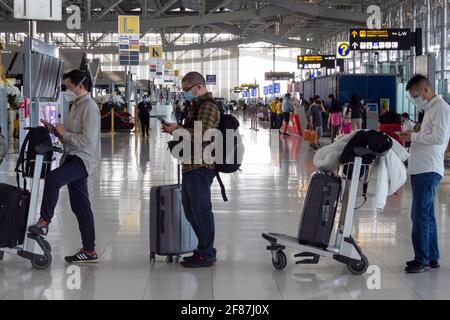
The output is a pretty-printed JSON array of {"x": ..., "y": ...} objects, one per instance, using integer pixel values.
[
  {"x": 1, "y": 255},
  {"x": 360, "y": 267},
  {"x": 152, "y": 257},
  {"x": 169, "y": 259},
  {"x": 42, "y": 262},
  {"x": 279, "y": 259}
]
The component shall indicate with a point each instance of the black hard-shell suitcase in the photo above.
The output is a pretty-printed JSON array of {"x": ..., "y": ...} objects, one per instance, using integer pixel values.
[
  {"x": 170, "y": 232},
  {"x": 319, "y": 210},
  {"x": 14, "y": 205}
]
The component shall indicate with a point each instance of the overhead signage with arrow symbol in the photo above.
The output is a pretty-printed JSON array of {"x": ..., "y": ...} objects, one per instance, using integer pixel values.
[{"x": 381, "y": 39}]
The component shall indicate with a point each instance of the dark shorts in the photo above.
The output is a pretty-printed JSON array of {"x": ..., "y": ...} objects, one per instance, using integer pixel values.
[{"x": 286, "y": 116}]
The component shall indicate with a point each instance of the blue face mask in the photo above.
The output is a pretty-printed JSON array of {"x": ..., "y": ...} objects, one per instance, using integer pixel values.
[{"x": 189, "y": 96}]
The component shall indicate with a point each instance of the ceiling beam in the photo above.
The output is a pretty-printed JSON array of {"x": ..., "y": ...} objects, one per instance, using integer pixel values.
[
  {"x": 5, "y": 5},
  {"x": 344, "y": 16},
  {"x": 151, "y": 23},
  {"x": 105, "y": 12}
]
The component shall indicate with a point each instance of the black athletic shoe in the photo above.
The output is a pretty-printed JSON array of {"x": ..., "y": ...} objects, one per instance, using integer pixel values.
[
  {"x": 198, "y": 262},
  {"x": 194, "y": 256},
  {"x": 40, "y": 228},
  {"x": 83, "y": 257},
  {"x": 417, "y": 268},
  {"x": 433, "y": 264}
]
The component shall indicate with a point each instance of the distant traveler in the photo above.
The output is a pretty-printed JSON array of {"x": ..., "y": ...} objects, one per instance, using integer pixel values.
[
  {"x": 273, "y": 113},
  {"x": 198, "y": 178},
  {"x": 356, "y": 112},
  {"x": 335, "y": 117},
  {"x": 144, "y": 109},
  {"x": 287, "y": 110},
  {"x": 317, "y": 120},
  {"x": 389, "y": 117},
  {"x": 426, "y": 167},
  {"x": 81, "y": 139}
]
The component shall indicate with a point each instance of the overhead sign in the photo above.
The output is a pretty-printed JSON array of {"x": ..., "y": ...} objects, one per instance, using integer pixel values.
[
  {"x": 48, "y": 10},
  {"x": 168, "y": 68},
  {"x": 380, "y": 39},
  {"x": 273, "y": 76},
  {"x": 253, "y": 92},
  {"x": 277, "y": 88},
  {"x": 266, "y": 90},
  {"x": 156, "y": 68},
  {"x": 316, "y": 61},
  {"x": 343, "y": 50},
  {"x": 211, "y": 79},
  {"x": 271, "y": 89},
  {"x": 129, "y": 45},
  {"x": 245, "y": 93},
  {"x": 156, "y": 52}
]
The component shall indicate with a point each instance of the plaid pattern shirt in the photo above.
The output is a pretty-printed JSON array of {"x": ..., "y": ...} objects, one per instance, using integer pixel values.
[{"x": 209, "y": 116}]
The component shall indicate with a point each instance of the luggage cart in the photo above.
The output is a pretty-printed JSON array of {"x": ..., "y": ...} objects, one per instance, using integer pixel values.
[
  {"x": 34, "y": 248},
  {"x": 345, "y": 249}
]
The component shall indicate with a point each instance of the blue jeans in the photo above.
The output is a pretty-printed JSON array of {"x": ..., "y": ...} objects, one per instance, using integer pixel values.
[
  {"x": 196, "y": 198},
  {"x": 73, "y": 174},
  {"x": 424, "y": 229}
]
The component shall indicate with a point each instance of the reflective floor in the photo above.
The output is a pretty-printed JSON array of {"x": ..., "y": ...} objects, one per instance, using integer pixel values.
[{"x": 266, "y": 197}]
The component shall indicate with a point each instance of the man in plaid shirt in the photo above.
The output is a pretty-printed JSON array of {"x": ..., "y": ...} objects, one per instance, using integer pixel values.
[{"x": 198, "y": 176}]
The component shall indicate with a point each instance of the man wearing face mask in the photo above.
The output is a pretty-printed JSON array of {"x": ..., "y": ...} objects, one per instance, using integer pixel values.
[
  {"x": 81, "y": 139},
  {"x": 426, "y": 167},
  {"x": 198, "y": 177}
]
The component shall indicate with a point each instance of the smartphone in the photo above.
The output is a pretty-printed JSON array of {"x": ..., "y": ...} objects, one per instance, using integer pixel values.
[{"x": 164, "y": 122}]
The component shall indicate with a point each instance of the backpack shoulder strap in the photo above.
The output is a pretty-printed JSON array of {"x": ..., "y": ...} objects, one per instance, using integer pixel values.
[{"x": 222, "y": 187}]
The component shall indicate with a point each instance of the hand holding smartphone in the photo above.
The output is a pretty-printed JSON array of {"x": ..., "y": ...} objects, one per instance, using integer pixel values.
[{"x": 161, "y": 119}]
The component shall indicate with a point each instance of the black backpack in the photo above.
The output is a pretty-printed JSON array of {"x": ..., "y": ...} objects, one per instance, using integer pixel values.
[
  {"x": 38, "y": 136},
  {"x": 232, "y": 159}
]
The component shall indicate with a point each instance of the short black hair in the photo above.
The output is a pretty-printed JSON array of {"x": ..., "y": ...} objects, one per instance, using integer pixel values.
[
  {"x": 79, "y": 77},
  {"x": 405, "y": 115},
  {"x": 194, "y": 78},
  {"x": 331, "y": 96},
  {"x": 416, "y": 80}
]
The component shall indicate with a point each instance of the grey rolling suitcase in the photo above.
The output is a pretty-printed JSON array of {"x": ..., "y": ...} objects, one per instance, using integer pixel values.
[{"x": 170, "y": 233}]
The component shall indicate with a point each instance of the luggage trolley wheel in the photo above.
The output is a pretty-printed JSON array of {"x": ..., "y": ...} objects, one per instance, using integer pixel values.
[
  {"x": 279, "y": 259},
  {"x": 360, "y": 267},
  {"x": 152, "y": 257},
  {"x": 42, "y": 262}
]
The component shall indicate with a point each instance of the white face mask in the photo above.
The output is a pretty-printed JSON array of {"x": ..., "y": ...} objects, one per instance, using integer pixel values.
[
  {"x": 70, "y": 95},
  {"x": 421, "y": 103}
]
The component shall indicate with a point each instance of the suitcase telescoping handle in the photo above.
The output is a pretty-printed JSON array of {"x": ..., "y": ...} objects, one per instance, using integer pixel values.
[{"x": 179, "y": 173}]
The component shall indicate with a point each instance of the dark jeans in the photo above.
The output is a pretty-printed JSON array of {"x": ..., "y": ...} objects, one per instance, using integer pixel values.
[
  {"x": 145, "y": 125},
  {"x": 273, "y": 120},
  {"x": 424, "y": 229},
  {"x": 73, "y": 174},
  {"x": 196, "y": 197}
]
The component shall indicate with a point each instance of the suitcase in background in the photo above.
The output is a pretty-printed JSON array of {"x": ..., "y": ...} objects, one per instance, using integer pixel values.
[
  {"x": 170, "y": 232},
  {"x": 14, "y": 205},
  {"x": 319, "y": 210}
]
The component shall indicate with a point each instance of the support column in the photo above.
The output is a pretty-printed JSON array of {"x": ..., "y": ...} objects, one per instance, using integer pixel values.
[
  {"x": 444, "y": 45},
  {"x": 412, "y": 55},
  {"x": 428, "y": 31}
]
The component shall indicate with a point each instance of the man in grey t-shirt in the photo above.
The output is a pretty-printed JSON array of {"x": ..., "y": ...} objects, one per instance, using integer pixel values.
[{"x": 81, "y": 138}]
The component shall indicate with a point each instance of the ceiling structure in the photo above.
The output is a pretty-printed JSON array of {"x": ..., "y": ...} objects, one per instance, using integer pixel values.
[{"x": 290, "y": 23}]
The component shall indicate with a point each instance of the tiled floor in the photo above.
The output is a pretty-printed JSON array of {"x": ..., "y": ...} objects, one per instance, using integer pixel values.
[{"x": 266, "y": 196}]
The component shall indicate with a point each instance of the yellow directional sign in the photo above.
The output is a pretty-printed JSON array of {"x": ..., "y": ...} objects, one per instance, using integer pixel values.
[
  {"x": 129, "y": 25},
  {"x": 354, "y": 34},
  {"x": 156, "y": 52},
  {"x": 363, "y": 33}
]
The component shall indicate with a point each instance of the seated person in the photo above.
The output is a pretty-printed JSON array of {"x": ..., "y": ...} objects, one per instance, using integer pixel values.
[
  {"x": 407, "y": 124},
  {"x": 389, "y": 117}
]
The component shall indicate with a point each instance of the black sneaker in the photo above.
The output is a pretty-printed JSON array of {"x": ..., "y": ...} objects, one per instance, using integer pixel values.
[
  {"x": 195, "y": 256},
  {"x": 434, "y": 264},
  {"x": 417, "y": 268},
  {"x": 82, "y": 257},
  {"x": 198, "y": 262},
  {"x": 40, "y": 228}
]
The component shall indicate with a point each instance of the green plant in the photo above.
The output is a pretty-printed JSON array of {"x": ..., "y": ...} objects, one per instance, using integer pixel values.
[{"x": 13, "y": 101}]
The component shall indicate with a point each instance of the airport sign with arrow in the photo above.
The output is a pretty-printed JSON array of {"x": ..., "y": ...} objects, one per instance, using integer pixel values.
[{"x": 381, "y": 39}]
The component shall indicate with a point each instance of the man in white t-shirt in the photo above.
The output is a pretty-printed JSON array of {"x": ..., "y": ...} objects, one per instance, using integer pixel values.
[{"x": 426, "y": 167}]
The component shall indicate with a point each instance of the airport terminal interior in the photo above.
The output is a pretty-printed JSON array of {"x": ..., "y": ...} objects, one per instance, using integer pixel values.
[{"x": 136, "y": 54}]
